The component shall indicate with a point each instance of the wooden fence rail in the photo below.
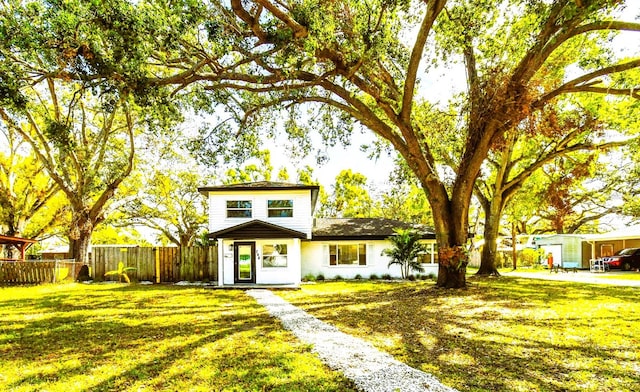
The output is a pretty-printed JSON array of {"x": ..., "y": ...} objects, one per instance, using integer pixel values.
[
  {"x": 170, "y": 264},
  {"x": 33, "y": 272}
]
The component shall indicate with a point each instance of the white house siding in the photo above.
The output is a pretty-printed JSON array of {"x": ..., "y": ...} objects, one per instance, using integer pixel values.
[
  {"x": 315, "y": 261},
  {"x": 279, "y": 275},
  {"x": 302, "y": 217},
  {"x": 266, "y": 275}
]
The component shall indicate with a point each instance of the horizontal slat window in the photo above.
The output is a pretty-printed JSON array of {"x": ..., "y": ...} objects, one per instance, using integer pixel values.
[
  {"x": 239, "y": 209},
  {"x": 280, "y": 208}
]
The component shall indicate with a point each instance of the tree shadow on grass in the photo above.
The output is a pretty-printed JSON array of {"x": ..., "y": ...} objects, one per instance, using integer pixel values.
[
  {"x": 172, "y": 340},
  {"x": 500, "y": 334}
]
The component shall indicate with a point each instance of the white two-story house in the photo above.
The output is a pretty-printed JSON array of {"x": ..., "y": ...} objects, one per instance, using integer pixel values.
[{"x": 266, "y": 235}]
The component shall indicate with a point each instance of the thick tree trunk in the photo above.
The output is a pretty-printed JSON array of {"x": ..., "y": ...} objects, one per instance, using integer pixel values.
[
  {"x": 79, "y": 248},
  {"x": 451, "y": 278},
  {"x": 491, "y": 234},
  {"x": 80, "y": 237},
  {"x": 451, "y": 236},
  {"x": 490, "y": 249}
]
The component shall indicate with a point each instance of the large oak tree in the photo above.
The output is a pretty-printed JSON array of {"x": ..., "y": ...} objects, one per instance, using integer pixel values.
[
  {"x": 363, "y": 59},
  {"x": 86, "y": 149},
  {"x": 367, "y": 61},
  {"x": 545, "y": 139},
  {"x": 68, "y": 74}
]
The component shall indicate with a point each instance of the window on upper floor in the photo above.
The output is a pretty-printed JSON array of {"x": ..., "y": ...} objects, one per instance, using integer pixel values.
[
  {"x": 280, "y": 208},
  {"x": 348, "y": 254},
  {"x": 239, "y": 209}
]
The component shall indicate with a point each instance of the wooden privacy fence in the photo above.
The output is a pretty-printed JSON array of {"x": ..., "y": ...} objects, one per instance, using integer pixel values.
[
  {"x": 37, "y": 271},
  {"x": 170, "y": 264}
]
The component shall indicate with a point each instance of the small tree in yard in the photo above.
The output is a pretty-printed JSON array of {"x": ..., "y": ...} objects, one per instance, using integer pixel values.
[
  {"x": 405, "y": 251},
  {"x": 121, "y": 272}
]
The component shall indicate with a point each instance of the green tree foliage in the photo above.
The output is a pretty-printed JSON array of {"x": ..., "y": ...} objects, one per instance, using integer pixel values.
[
  {"x": 107, "y": 234},
  {"x": 63, "y": 69},
  {"x": 259, "y": 169},
  {"x": 405, "y": 200},
  {"x": 169, "y": 203},
  {"x": 162, "y": 192},
  {"x": 86, "y": 149},
  {"x": 405, "y": 251},
  {"x": 30, "y": 205},
  {"x": 548, "y": 136},
  {"x": 349, "y": 199},
  {"x": 349, "y": 62},
  {"x": 586, "y": 192},
  {"x": 283, "y": 175},
  {"x": 305, "y": 176}
]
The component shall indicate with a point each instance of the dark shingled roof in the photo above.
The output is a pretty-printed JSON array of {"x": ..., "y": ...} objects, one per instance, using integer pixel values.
[
  {"x": 256, "y": 229},
  {"x": 363, "y": 228}
]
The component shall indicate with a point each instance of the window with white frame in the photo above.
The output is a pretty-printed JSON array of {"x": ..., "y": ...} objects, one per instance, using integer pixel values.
[
  {"x": 430, "y": 256},
  {"x": 239, "y": 209},
  {"x": 274, "y": 255},
  {"x": 280, "y": 208},
  {"x": 348, "y": 254}
]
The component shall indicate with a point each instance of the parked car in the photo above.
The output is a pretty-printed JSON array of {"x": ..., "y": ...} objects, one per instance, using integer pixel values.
[{"x": 625, "y": 259}]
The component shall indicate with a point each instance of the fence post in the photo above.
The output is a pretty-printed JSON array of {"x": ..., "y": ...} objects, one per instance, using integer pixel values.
[{"x": 55, "y": 270}]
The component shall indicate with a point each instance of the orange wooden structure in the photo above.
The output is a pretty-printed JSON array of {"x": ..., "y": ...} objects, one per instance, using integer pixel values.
[{"x": 22, "y": 244}]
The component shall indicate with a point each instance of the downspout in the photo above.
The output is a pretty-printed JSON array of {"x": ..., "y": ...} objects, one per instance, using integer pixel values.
[{"x": 220, "y": 262}]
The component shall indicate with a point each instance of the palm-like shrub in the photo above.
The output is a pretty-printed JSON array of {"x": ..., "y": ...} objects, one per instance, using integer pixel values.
[
  {"x": 121, "y": 272},
  {"x": 405, "y": 251}
]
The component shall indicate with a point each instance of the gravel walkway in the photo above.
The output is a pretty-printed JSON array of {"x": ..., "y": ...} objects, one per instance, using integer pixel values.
[{"x": 370, "y": 369}]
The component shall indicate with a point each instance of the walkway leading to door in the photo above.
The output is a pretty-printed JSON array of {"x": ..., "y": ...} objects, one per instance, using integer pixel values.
[{"x": 370, "y": 369}]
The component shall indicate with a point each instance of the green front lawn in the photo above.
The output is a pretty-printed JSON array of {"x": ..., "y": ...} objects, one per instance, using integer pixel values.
[
  {"x": 504, "y": 334},
  {"x": 627, "y": 275},
  {"x": 149, "y": 338},
  {"x": 500, "y": 334}
]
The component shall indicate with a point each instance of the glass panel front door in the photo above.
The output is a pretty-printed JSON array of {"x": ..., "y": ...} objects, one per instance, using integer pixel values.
[{"x": 245, "y": 262}]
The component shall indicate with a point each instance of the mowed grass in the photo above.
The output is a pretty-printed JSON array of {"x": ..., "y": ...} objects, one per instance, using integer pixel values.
[
  {"x": 627, "y": 275},
  {"x": 149, "y": 338},
  {"x": 500, "y": 334}
]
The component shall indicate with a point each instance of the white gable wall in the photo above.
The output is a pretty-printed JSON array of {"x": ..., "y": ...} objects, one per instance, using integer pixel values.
[
  {"x": 279, "y": 275},
  {"x": 265, "y": 275},
  {"x": 301, "y": 221}
]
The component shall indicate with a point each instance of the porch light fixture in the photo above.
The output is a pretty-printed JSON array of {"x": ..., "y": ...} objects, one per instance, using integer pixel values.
[{"x": 230, "y": 247}]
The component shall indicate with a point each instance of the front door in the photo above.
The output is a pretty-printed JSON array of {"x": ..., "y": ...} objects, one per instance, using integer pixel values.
[{"x": 244, "y": 262}]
